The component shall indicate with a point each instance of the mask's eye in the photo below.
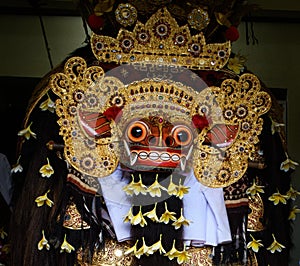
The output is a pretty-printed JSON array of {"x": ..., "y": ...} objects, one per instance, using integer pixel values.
[
  {"x": 137, "y": 131},
  {"x": 182, "y": 135}
]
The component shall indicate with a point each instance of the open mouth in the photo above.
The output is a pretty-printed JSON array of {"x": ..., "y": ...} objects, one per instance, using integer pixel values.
[{"x": 161, "y": 158}]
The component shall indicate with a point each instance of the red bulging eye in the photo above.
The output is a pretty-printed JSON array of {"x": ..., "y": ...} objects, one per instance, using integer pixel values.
[
  {"x": 182, "y": 135},
  {"x": 137, "y": 131}
]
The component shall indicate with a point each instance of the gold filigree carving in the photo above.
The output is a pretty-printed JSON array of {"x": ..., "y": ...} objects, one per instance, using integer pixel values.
[
  {"x": 161, "y": 40},
  {"x": 257, "y": 212}
]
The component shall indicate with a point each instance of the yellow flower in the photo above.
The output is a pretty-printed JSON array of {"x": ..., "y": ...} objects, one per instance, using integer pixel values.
[
  {"x": 155, "y": 188},
  {"x": 135, "y": 187},
  {"x": 183, "y": 256},
  {"x": 46, "y": 170},
  {"x": 132, "y": 249},
  {"x": 17, "y": 167},
  {"x": 275, "y": 126},
  {"x": 172, "y": 188},
  {"x": 128, "y": 216},
  {"x": 292, "y": 193},
  {"x": 6, "y": 249},
  {"x": 3, "y": 234},
  {"x": 152, "y": 214},
  {"x": 48, "y": 104},
  {"x": 277, "y": 197},
  {"x": 157, "y": 247},
  {"x": 43, "y": 242},
  {"x": 275, "y": 246},
  {"x": 181, "y": 221},
  {"x": 288, "y": 164},
  {"x": 181, "y": 190},
  {"x": 27, "y": 133},
  {"x": 65, "y": 246},
  {"x": 143, "y": 250},
  {"x": 172, "y": 253},
  {"x": 236, "y": 64},
  {"x": 139, "y": 219},
  {"x": 293, "y": 213},
  {"x": 254, "y": 189},
  {"x": 41, "y": 200},
  {"x": 167, "y": 215},
  {"x": 254, "y": 244}
]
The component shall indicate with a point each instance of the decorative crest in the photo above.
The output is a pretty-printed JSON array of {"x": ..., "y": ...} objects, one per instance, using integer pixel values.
[{"x": 161, "y": 40}]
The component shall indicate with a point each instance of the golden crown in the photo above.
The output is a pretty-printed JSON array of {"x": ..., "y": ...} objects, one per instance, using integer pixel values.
[{"x": 161, "y": 40}]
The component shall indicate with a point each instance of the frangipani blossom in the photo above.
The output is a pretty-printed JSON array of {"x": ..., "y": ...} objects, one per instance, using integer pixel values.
[
  {"x": 135, "y": 187},
  {"x": 41, "y": 200},
  {"x": 155, "y": 189},
  {"x": 292, "y": 193},
  {"x": 183, "y": 256},
  {"x": 255, "y": 189},
  {"x": 277, "y": 198},
  {"x": 143, "y": 250},
  {"x": 288, "y": 164},
  {"x": 132, "y": 249},
  {"x": 139, "y": 219},
  {"x": 236, "y": 64},
  {"x": 43, "y": 243},
  {"x": 128, "y": 216},
  {"x": 181, "y": 221},
  {"x": 66, "y": 247},
  {"x": 48, "y": 104},
  {"x": 167, "y": 216},
  {"x": 27, "y": 133},
  {"x": 181, "y": 190},
  {"x": 293, "y": 212},
  {"x": 46, "y": 170},
  {"x": 152, "y": 214},
  {"x": 17, "y": 167},
  {"x": 275, "y": 246},
  {"x": 158, "y": 246},
  {"x": 275, "y": 126},
  {"x": 3, "y": 234},
  {"x": 172, "y": 188},
  {"x": 254, "y": 244},
  {"x": 172, "y": 253}
]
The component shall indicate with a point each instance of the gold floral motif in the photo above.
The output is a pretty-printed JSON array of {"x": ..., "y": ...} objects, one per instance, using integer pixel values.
[
  {"x": 73, "y": 220},
  {"x": 113, "y": 255},
  {"x": 257, "y": 212}
]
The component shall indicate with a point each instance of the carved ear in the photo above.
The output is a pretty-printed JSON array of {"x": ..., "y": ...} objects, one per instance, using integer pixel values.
[
  {"x": 94, "y": 124},
  {"x": 200, "y": 122},
  {"x": 221, "y": 135},
  {"x": 113, "y": 113}
]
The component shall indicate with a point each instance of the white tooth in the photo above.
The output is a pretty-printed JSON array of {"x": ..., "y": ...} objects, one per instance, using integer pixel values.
[
  {"x": 143, "y": 155},
  {"x": 126, "y": 147},
  {"x": 153, "y": 156},
  {"x": 133, "y": 158},
  {"x": 183, "y": 163},
  {"x": 190, "y": 152},
  {"x": 165, "y": 157},
  {"x": 175, "y": 157}
]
